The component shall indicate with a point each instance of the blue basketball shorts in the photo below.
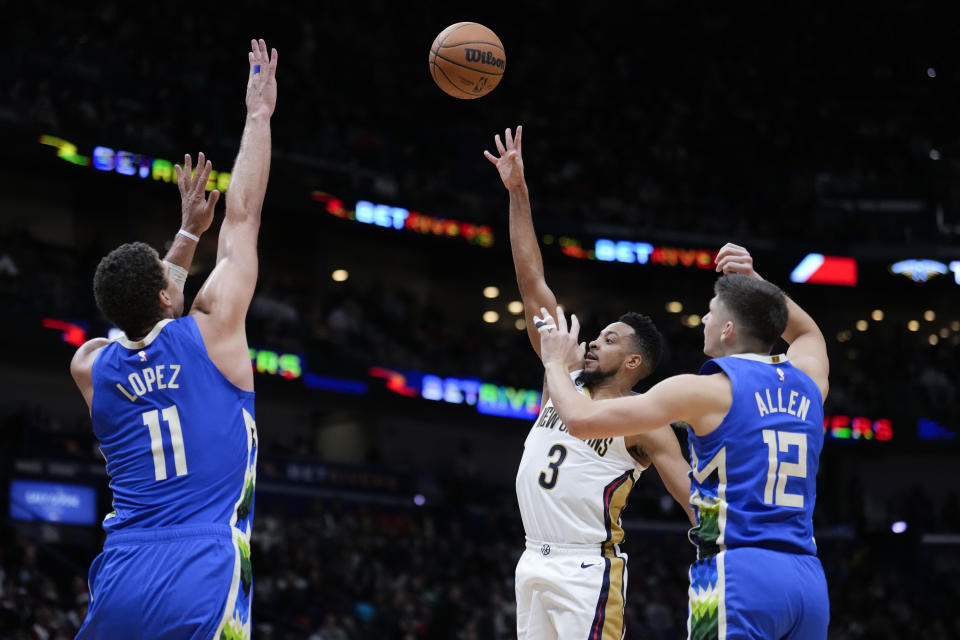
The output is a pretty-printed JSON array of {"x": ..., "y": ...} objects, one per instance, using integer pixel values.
[
  {"x": 750, "y": 593},
  {"x": 179, "y": 583}
]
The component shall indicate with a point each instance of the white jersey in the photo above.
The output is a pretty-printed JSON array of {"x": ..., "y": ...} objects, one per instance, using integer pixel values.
[{"x": 572, "y": 491}]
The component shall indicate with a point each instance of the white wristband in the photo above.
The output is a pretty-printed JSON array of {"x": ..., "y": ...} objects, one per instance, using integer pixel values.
[
  {"x": 184, "y": 232},
  {"x": 177, "y": 274}
]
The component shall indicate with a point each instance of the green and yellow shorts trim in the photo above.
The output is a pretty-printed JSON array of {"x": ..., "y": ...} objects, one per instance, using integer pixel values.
[{"x": 752, "y": 593}]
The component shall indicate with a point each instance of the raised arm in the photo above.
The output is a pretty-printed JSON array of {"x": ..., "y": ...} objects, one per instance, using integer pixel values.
[
  {"x": 527, "y": 261},
  {"x": 808, "y": 348},
  {"x": 221, "y": 306}
]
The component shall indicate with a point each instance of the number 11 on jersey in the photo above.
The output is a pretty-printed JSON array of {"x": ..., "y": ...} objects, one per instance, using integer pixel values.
[{"x": 152, "y": 420}]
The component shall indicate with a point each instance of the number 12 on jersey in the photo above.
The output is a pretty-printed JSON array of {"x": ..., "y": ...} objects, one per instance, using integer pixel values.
[
  {"x": 152, "y": 420},
  {"x": 779, "y": 472}
]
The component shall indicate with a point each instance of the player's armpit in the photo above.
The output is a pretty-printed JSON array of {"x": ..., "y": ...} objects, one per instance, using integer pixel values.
[{"x": 663, "y": 449}]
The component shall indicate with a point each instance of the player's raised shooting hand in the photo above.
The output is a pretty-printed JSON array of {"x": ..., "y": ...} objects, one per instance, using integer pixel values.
[
  {"x": 510, "y": 161},
  {"x": 197, "y": 208},
  {"x": 262, "y": 83},
  {"x": 557, "y": 341},
  {"x": 575, "y": 359},
  {"x": 733, "y": 258}
]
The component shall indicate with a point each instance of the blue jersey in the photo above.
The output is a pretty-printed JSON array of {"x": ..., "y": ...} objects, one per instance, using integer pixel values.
[
  {"x": 181, "y": 448},
  {"x": 753, "y": 479},
  {"x": 179, "y": 438}
]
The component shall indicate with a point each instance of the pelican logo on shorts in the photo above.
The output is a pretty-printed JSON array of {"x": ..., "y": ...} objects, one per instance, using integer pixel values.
[
  {"x": 545, "y": 549},
  {"x": 484, "y": 57}
]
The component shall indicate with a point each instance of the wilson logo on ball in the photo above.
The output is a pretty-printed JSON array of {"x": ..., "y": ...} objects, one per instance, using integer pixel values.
[{"x": 484, "y": 57}]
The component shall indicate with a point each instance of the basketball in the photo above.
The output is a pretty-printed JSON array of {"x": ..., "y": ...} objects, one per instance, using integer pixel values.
[{"x": 467, "y": 60}]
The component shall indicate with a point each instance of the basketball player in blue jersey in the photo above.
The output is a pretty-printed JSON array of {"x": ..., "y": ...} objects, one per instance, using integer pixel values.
[
  {"x": 171, "y": 402},
  {"x": 756, "y": 432},
  {"x": 571, "y": 580}
]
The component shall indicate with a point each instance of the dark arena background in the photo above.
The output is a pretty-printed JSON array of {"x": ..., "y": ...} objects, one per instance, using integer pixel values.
[{"x": 395, "y": 385}]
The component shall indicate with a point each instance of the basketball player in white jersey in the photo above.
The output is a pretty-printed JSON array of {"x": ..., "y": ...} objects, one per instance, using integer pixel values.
[{"x": 572, "y": 578}]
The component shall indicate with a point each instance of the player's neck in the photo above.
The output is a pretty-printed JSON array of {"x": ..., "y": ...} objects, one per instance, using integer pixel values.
[
  {"x": 609, "y": 388},
  {"x": 744, "y": 349}
]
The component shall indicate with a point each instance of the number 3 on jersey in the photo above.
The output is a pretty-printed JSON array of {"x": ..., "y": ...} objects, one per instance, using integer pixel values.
[
  {"x": 560, "y": 452},
  {"x": 152, "y": 420},
  {"x": 786, "y": 470}
]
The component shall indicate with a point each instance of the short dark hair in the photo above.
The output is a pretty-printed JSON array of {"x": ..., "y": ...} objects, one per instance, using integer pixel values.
[
  {"x": 759, "y": 307},
  {"x": 646, "y": 339},
  {"x": 126, "y": 284}
]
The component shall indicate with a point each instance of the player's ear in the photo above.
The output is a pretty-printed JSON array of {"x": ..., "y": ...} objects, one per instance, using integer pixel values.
[
  {"x": 164, "y": 298},
  {"x": 634, "y": 362},
  {"x": 729, "y": 331}
]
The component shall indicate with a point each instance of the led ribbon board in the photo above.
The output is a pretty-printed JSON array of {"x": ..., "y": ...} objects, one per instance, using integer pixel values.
[
  {"x": 400, "y": 219},
  {"x": 631, "y": 252},
  {"x": 489, "y": 398},
  {"x": 72, "y": 333},
  {"x": 933, "y": 430},
  {"x": 127, "y": 163},
  {"x": 817, "y": 268},
  {"x": 842, "y": 427},
  {"x": 285, "y": 365}
]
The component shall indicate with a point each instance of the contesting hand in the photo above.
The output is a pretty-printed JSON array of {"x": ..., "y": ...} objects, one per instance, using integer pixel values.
[
  {"x": 262, "y": 82},
  {"x": 510, "y": 162},
  {"x": 196, "y": 207}
]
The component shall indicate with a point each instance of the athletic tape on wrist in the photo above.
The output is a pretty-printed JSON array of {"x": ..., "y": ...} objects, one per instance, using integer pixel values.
[{"x": 187, "y": 234}]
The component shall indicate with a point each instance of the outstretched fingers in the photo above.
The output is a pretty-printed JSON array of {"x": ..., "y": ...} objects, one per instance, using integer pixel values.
[
  {"x": 212, "y": 201},
  {"x": 273, "y": 61},
  {"x": 561, "y": 320},
  {"x": 201, "y": 184},
  {"x": 574, "y": 326}
]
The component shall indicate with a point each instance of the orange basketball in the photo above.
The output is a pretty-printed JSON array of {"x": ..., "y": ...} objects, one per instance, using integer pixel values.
[{"x": 467, "y": 60}]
